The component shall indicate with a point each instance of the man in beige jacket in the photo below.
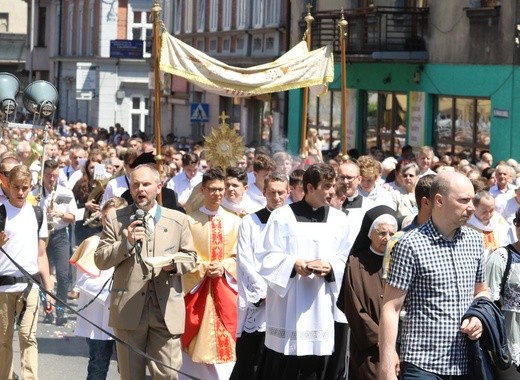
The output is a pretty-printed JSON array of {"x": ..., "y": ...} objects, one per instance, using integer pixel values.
[{"x": 147, "y": 305}]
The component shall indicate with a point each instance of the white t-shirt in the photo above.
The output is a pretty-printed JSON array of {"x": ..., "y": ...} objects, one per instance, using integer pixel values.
[{"x": 21, "y": 226}]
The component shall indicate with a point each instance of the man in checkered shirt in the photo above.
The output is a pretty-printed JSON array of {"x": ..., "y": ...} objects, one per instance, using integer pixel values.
[{"x": 435, "y": 273}]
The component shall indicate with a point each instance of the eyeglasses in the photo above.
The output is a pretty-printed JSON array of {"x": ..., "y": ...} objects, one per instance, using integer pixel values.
[
  {"x": 213, "y": 190},
  {"x": 347, "y": 177},
  {"x": 516, "y": 222}
]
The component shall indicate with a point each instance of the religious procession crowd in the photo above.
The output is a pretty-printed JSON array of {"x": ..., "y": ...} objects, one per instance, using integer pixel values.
[{"x": 278, "y": 267}]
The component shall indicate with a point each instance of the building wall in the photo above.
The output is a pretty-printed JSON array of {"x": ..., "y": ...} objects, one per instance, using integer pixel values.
[
  {"x": 17, "y": 14},
  {"x": 108, "y": 26},
  {"x": 453, "y": 38}
]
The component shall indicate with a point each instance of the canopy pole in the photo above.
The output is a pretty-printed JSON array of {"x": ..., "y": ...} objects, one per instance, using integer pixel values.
[
  {"x": 343, "y": 35},
  {"x": 308, "y": 19},
  {"x": 156, "y": 10}
]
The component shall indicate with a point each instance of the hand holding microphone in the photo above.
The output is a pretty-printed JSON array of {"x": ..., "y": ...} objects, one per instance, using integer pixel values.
[{"x": 136, "y": 231}]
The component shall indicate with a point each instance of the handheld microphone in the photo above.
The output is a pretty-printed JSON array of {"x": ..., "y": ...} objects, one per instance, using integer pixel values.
[{"x": 139, "y": 215}]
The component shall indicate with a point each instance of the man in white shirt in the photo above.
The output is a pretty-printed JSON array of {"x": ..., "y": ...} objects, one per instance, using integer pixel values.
[
  {"x": 24, "y": 242},
  {"x": 71, "y": 173},
  {"x": 503, "y": 186},
  {"x": 262, "y": 166},
  {"x": 59, "y": 204},
  {"x": 184, "y": 182},
  {"x": 117, "y": 186}
]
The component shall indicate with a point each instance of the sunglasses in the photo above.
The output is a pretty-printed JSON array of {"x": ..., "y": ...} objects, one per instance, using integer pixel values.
[{"x": 516, "y": 222}]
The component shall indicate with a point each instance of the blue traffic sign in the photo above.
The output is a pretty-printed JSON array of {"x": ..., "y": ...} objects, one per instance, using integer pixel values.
[{"x": 199, "y": 112}]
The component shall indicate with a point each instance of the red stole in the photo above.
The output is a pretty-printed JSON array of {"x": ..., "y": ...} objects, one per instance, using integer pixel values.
[{"x": 224, "y": 301}]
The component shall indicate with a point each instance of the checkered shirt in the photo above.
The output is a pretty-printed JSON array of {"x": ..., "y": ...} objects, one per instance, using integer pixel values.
[{"x": 439, "y": 277}]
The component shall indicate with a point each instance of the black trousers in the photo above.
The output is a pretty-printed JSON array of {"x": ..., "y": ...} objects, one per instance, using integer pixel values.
[
  {"x": 249, "y": 351},
  {"x": 279, "y": 366}
]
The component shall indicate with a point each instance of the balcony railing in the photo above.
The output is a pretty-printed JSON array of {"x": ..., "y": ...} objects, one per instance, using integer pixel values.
[{"x": 372, "y": 31}]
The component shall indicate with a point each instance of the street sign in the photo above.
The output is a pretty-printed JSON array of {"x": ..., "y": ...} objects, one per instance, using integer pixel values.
[
  {"x": 84, "y": 95},
  {"x": 199, "y": 112},
  {"x": 126, "y": 49}
]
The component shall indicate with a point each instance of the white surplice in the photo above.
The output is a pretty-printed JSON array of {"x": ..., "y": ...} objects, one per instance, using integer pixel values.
[
  {"x": 300, "y": 311},
  {"x": 251, "y": 286}
]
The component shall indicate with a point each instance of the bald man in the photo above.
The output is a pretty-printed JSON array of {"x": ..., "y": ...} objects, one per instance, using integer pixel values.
[{"x": 438, "y": 270}]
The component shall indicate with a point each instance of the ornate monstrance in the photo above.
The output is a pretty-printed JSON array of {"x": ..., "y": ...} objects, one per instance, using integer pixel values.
[{"x": 223, "y": 147}]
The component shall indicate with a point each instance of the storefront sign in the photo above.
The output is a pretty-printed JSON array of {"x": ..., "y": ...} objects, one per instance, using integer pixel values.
[
  {"x": 416, "y": 119},
  {"x": 502, "y": 113}
]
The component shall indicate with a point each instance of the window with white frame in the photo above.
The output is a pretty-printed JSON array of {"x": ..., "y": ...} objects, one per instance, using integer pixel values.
[
  {"x": 188, "y": 16},
  {"x": 226, "y": 14},
  {"x": 241, "y": 15},
  {"x": 90, "y": 31},
  {"x": 201, "y": 15},
  {"x": 200, "y": 45},
  {"x": 70, "y": 28},
  {"x": 79, "y": 30},
  {"x": 213, "y": 15},
  {"x": 258, "y": 13},
  {"x": 142, "y": 29},
  {"x": 139, "y": 114},
  {"x": 272, "y": 12},
  {"x": 177, "y": 16}
]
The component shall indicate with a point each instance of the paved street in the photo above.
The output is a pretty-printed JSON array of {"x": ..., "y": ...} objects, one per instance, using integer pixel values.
[{"x": 62, "y": 355}]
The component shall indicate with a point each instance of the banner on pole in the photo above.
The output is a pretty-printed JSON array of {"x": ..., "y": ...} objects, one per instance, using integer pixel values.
[{"x": 297, "y": 68}]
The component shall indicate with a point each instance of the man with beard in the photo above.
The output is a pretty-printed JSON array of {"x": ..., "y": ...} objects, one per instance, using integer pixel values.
[{"x": 146, "y": 306}]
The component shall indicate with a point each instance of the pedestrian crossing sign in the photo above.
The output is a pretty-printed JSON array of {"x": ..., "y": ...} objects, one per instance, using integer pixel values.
[{"x": 199, "y": 112}]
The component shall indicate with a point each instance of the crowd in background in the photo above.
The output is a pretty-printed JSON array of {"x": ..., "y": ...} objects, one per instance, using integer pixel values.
[{"x": 366, "y": 185}]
